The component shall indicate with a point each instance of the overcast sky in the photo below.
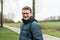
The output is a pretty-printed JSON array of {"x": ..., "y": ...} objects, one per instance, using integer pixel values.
[{"x": 43, "y": 8}]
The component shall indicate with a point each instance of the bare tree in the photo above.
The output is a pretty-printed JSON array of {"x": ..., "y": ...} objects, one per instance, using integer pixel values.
[
  {"x": 52, "y": 17},
  {"x": 58, "y": 17}
]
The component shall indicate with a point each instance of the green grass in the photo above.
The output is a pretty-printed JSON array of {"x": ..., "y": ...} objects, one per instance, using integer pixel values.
[
  {"x": 6, "y": 34},
  {"x": 52, "y": 32},
  {"x": 50, "y": 24},
  {"x": 13, "y": 24},
  {"x": 43, "y": 24}
]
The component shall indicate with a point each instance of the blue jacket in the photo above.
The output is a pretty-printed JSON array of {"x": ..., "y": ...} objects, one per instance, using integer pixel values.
[{"x": 26, "y": 31}]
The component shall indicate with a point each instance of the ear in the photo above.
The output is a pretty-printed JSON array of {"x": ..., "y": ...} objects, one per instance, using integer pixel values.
[{"x": 31, "y": 14}]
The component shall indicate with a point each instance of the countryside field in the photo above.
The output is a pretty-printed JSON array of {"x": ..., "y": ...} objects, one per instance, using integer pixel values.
[
  {"x": 43, "y": 25},
  {"x": 50, "y": 24},
  {"x": 13, "y": 24},
  {"x": 52, "y": 32}
]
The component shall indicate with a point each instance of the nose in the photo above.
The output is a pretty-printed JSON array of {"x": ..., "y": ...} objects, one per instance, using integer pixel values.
[{"x": 25, "y": 15}]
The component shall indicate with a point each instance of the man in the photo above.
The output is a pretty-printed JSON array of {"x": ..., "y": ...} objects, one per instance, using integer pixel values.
[{"x": 30, "y": 30}]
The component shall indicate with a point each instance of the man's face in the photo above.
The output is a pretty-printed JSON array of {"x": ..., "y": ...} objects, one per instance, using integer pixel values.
[{"x": 26, "y": 14}]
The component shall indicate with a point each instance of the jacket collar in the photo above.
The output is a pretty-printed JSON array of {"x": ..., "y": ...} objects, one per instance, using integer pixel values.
[{"x": 31, "y": 19}]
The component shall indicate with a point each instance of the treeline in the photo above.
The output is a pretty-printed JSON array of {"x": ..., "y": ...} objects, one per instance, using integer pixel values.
[
  {"x": 5, "y": 20},
  {"x": 52, "y": 19},
  {"x": 9, "y": 21}
]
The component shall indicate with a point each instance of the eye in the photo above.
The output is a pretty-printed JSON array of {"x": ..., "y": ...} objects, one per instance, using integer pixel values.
[
  {"x": 27, "y": 13},
  {"x": 23, "y": 13}
]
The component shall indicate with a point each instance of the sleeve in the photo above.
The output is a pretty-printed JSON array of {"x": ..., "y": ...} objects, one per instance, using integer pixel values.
[{"x": 36, "y": 30}]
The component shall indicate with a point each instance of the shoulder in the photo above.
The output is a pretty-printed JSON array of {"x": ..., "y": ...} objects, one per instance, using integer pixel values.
[{"x": 34, "y": 23}]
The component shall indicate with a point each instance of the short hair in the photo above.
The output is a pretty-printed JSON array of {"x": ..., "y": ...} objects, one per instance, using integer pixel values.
[{"x": 27, "y": 8}]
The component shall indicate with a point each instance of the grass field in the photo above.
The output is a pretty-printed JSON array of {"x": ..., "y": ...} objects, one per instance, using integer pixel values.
[
  {"x": 42, "y": 24},
  {"x": 13, "y": 24},
  {"x": 52, "y": 32},
  {"x": 6, "y": 34},
  {"x": 50, "y": 24}
]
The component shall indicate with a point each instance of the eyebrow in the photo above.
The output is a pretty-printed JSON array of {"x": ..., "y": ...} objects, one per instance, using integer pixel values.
[{"x": 25, "y": 13}]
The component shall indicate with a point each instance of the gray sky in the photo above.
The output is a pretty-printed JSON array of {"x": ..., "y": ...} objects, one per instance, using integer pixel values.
[{"x": 44, "y": 8}]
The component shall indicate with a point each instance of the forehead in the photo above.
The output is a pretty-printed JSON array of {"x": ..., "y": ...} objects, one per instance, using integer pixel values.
[{"x": 26, "y": 11}]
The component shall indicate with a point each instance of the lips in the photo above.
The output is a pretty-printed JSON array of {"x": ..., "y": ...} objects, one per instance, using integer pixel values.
[{"x": 25, "y": 16}]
